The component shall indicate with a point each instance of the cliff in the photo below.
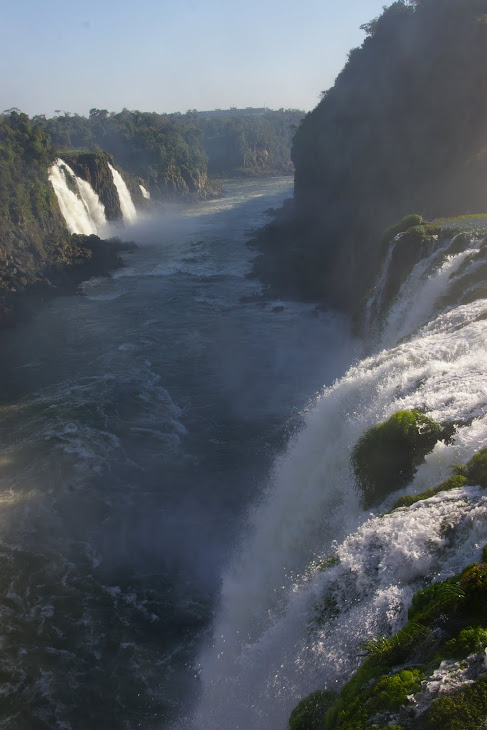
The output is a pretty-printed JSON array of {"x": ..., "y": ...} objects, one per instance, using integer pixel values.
[
  {"x": 403, "y": 129},
  {"x": 163, "y": 152},
  {"x": 175, "y": 155},
  {"x": 37, "y": 253},
  {"x": 93, "y": 167}
]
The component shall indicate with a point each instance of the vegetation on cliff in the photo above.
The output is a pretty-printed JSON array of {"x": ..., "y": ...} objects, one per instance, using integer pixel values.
[
  {"x": 36, "y": 250},
  {"x": 249, "y": 145},
  {"x": 169, "y": 154},
  {"x": 174, "y": 154},
  {"x": 402, "y": 129}
]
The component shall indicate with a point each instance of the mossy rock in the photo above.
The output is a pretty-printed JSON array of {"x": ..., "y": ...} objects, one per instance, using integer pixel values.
[
  {"x": 386, "y": 456},
  {"x": 475, "y": 470},
  {"x": 464, "y": 710},
  {"x": 308, "y": 715},
  {"x": 407, "y": 222},
  {"x": 455, "y": 482}
]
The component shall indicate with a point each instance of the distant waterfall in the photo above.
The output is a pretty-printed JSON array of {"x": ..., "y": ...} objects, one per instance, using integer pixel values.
[
  {"x": 82, "y": 211},
  {"x": 145, "y": 192},
  {"x": 129, "y": 213},
  {"x": 315, "y": 575}
]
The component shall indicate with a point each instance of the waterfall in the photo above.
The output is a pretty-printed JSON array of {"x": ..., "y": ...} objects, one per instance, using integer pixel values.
[
  {"x": 375, "y": 301},
  {"x": 145, "y": 192},
  {"x": 82, "y": 210},
  {"x": 315, "y": 575},
  {"x": 129, "y": 213}
]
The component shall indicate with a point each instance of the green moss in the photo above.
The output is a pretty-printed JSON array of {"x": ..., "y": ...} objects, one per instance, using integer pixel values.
[
  {"x": 407, "y": 222},
  {"x": 309, "y": 713},
  {"x": 386, "y": 456},
  {"x": 417, "y": 235},
  {"x": 469, "y": 640},
  {"x": 475, "y": 470},
  {"x": 454, "y": 482},
  {"x": 467, "y": 217},
  {"x": 434, "y": 600},
  {"x": 464, "y": 710},
  {"x": 321, "y": 565},
  {"x": 358, "y": 710},
  {"x": 391, "y": 692}
]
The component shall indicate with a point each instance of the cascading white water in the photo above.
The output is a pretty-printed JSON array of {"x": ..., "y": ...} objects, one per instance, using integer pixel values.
[
  {"x": 129, "y": 213},
  {"x": 95, "y": 207},
  {"x": 375, "y": 301},
  {"x": 145, "y": 192},
  {"x": 271, "y": 644},
  {"x": 83, "y": 213}
]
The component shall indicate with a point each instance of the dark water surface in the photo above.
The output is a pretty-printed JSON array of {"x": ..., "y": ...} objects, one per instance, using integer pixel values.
[{"x": 137, "y": 424}]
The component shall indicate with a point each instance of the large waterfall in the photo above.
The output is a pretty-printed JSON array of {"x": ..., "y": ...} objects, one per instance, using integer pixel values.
[
  {"x": 315, "y": 574},
  {"x": 78, "y": 202},
  {"x": 129, "y": 213}
]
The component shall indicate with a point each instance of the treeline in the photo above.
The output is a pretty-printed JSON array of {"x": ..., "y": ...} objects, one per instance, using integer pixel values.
[
  {"x": 404, "y": 129},
  {"x": 249, "y": 145},
  {"x": 176, "y": 153}
]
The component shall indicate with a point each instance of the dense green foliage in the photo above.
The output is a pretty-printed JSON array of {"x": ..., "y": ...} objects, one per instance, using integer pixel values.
[
  {"x": 386, "y": 456},
  {"x": 249, "y": 145},
  {"x": 403, "y": 128},
  {"x": 447, "y": 620},
  {"x": 26, "y": 200},
  {"x": 173, "y": 153},
  {"x": 163, "y": 150},
  {"x": 32, "y": 230}
]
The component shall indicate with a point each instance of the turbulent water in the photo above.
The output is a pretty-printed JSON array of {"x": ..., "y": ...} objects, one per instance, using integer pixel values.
[
  {"x": 182, "y": 544},
  {"x": 137, "y": 422},
  {"x": 314, "y": 575}
]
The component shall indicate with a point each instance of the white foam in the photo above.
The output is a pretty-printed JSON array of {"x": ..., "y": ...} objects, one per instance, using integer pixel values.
[{"x": 129, "y": 213}]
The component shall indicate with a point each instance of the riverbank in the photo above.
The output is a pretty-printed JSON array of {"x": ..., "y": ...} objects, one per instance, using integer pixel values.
[{"x": 25, "y": 283}]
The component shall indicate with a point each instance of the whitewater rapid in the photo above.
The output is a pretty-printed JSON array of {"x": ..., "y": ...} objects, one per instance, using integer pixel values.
[{"x": 286, "y": 626}]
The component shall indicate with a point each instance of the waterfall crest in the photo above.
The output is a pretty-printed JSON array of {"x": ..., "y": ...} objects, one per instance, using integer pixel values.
[
  {"x": 315, "y": 575},
  {"x": 129, "y": 213},
  {"x": 79, "y": 204}
]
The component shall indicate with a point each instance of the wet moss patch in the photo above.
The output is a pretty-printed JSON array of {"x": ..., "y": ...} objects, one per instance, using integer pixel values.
[
  {"x": 386, "y": 457},
  {"x": 308, "y": 715}
]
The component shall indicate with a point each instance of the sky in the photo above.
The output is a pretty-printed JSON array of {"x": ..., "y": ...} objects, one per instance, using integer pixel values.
[{"x": 174, "y": 55}]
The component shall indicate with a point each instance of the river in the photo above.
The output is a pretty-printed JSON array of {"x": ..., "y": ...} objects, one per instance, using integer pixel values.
[{"x": 138, "y": 423}]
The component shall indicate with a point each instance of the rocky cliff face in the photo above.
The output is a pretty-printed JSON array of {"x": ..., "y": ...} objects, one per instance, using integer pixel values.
[
  {"x": 401, "y": 131},
  {"x": 93, "y": 167},
  {"x": 37, "y": 253}
]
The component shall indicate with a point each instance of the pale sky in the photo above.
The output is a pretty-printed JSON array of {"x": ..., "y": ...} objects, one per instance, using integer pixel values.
[{"x": 168, "y": 56}]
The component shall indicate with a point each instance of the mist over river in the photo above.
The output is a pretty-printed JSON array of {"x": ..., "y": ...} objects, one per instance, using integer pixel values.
[{"x": 138, "y": 423}]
